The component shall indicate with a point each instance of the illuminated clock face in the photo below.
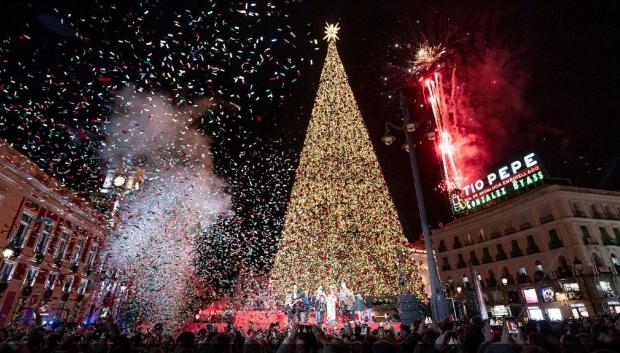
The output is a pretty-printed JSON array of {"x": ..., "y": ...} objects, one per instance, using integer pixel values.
[{"x": 119, "y": 180}]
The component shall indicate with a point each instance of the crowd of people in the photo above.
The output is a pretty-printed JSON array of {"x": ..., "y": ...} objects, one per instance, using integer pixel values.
[
  {"x": 335, "y": 305},
  {"x": 600, "y": 335}
]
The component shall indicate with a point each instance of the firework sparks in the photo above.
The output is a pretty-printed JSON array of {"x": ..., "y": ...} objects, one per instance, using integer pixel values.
[
  {"x": 445, "y": 119},
  {"x": 427, "y": 57}
]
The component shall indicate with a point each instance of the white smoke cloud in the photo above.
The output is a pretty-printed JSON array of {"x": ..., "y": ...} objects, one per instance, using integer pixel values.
[{"x": 154, "y": 242}]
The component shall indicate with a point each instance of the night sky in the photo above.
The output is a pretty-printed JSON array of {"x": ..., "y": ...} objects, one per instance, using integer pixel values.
[{"x": 563, "y": 57}]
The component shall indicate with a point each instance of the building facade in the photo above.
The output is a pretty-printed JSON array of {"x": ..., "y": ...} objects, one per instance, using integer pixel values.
[
  {"x": 50, "y": 241},
  {"x": 418, "y": 255},
  {"x": 552, "y": 253}
]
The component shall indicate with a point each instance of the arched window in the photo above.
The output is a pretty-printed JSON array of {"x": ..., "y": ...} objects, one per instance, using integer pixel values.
[
  {"x": 442, "y": 246},
  {"x": 457, "y": 243}
]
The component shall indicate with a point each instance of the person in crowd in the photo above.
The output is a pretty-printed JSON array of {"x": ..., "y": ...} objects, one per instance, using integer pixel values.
[
  {"x": 474, "y": 336},
  {"x": 596, "y": 335}
]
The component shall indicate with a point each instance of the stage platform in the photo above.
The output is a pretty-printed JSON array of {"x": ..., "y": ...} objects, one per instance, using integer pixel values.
[{"x": 262, "y": 320}]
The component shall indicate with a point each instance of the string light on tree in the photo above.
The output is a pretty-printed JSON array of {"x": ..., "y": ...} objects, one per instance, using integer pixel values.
[{"x": 341, "y": 223}]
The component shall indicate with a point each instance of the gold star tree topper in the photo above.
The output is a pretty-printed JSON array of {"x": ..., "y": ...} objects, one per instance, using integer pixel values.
[{"x": 331, "y": 32}]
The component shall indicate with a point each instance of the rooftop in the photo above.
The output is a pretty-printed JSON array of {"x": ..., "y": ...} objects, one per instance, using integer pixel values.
[
  {"x": 507, "y": 205},
  {"x": 22, "y": 166}
]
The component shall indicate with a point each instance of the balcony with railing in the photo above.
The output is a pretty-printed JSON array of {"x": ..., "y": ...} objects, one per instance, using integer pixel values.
[
  {"x": 546, "y": 218},
  {"x": 579, "y": 213},
  {"x": 495, "y": 234},
  {"x": 510, "y": 230},
  {"x": 525, "y": 225},
  {"x": 614, "y": 216},
  {"x": 603, "y": 269}
]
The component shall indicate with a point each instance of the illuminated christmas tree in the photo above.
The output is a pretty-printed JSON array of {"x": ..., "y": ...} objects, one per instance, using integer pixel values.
[{"x": 341, "y": 223}]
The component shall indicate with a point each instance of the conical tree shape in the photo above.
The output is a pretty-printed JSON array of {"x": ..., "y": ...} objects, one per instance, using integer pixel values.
[{"x": 341, "y": 223}]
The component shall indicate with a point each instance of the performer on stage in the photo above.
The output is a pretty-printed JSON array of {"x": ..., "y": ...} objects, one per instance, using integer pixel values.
[
  {"x": 347, "y": 300},
  {"x": 320, "y": 305},
  {"x": 331, "y": 300},
  {"x": 305, "y": 301},
  {"x": 369, "y": 310},
  {"x": 360, "y": 307},
  {"x": 288, "y": 306},
  {"x": 294, "y": 305}
]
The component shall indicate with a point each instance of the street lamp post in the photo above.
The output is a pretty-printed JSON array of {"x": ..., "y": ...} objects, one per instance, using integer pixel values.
[{"x": 439, "y": 307}]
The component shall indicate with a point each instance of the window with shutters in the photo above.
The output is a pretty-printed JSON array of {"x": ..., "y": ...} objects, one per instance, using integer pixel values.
[
  {"x": 31, "y": 276},
  {"x": 91, "y": 254},
  {"x": 545, "y": 215},
  {"x": 606, "y": 238},
  {"x": 23, "y": 228},
  {"x": 75, "y": 257},
  {"x": 66, "y": 286},
  {"x": 61, "y": 247},
  {"x": 457, "y": 243},
  {"x": 446, "y": 264},
  {"x": 43, "y": 239},
  {"x": 50, "y": 283},
  {"x": 6, "y": 273},
  {"x": 82, "y": 286},
  {"x": 554, "y": 239},
  {"x": 587, "y": 237}
]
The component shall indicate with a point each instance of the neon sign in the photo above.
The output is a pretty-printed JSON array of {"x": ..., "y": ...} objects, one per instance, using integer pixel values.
[{"x": 509, "y": 179}]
